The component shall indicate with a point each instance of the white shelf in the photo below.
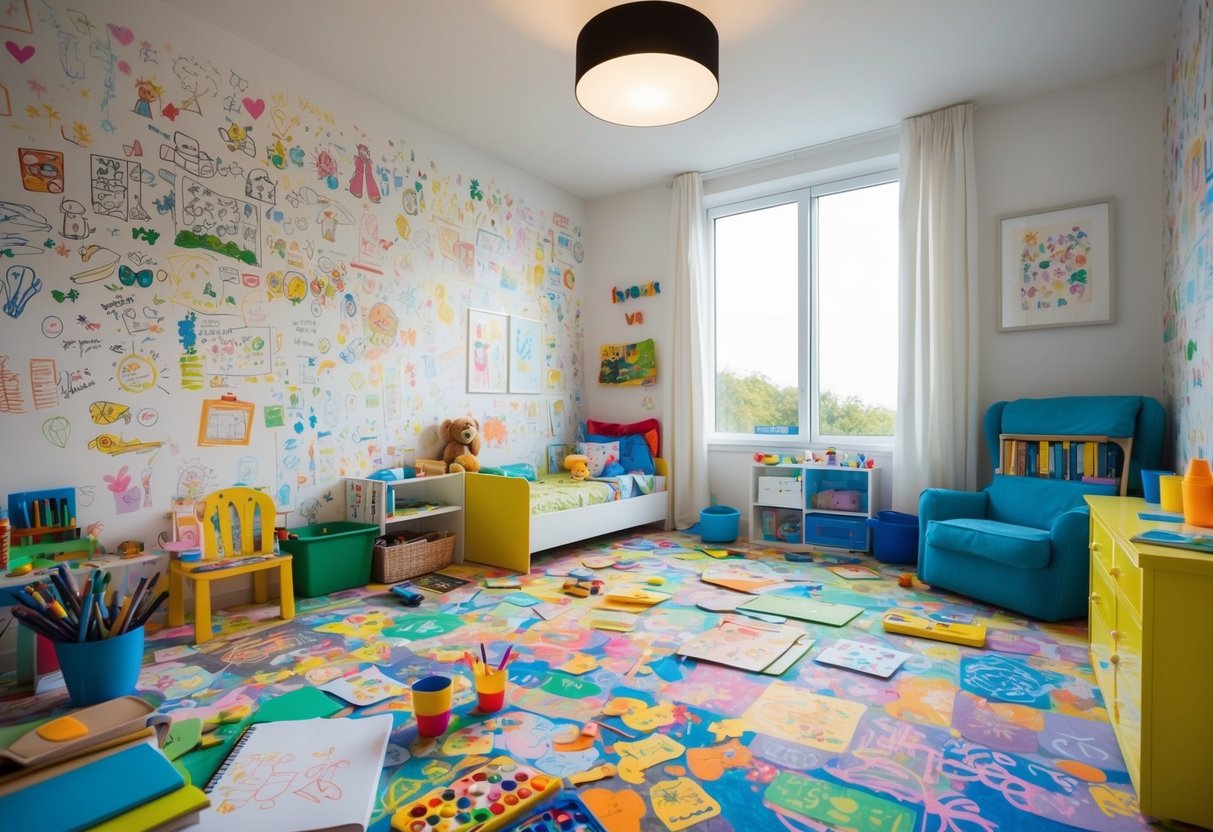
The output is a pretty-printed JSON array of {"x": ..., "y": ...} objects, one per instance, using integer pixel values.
[
  {"x": 368, "y": 501},
  {"x": 793, "y": 510}
]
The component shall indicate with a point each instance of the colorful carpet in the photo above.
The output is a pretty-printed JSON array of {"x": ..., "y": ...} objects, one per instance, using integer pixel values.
[{"x": 1010, "y": 737}]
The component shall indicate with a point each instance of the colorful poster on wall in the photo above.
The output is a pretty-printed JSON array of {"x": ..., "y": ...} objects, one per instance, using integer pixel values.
[
  {"x": 628, "y": 364},
  {"x": 526, "y": 372},
  {"x": 225, "y": 421},
  {"x": 488, "y": 356}
]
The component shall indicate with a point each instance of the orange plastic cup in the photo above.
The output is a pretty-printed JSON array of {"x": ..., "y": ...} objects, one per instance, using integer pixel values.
[{"x": 1197, "y": 493}]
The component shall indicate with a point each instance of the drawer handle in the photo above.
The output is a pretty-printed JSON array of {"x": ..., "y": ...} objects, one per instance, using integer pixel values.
[
  {"x": 1115, "y": 659},
  {"x": 1114, "y": 571},
  {"x": 1115, "y": 635},
  {"x": 1096, "y": 547},
  {"x": 1093, "y": 597}
]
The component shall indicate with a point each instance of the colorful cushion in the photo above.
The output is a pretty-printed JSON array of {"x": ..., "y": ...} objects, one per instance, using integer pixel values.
[
  {"x": 598, "y": 454},
  {"x": 650, "y": 429},
  {"x": 634, "y": 453}
]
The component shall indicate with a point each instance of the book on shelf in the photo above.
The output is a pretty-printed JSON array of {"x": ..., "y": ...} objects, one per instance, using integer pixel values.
[{"x": 1090, "y": 459}]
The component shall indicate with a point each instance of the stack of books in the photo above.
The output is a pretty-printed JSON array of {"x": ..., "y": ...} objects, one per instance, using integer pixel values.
[{"x": 98, "y": 768}]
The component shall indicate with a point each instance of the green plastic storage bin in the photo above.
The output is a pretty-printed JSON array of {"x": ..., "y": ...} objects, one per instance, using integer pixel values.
[{"x": 330, "y": 557}]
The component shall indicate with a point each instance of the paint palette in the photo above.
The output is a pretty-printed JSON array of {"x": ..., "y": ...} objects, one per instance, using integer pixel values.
[
  {"x": 902, "y": 621},
  {"x": 491, "y": 797},
  {"x": 567, "y": 814}
]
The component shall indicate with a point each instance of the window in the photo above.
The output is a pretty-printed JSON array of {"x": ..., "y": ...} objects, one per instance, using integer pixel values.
[{"x": 805, "y": 313}]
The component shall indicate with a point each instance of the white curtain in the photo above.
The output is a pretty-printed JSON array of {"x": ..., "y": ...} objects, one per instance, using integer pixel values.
[
  {"x": 937, "y": 430},
  {"x": 683, "y": 440}
]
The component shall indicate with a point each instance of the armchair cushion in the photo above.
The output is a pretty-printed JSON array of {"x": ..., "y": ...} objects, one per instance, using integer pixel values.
[
  {"x": 1018, "y": 546},
  {"x": 1035, "y": 501}
]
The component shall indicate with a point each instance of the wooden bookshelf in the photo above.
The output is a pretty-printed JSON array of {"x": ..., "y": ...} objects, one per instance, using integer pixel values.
[{"x": 1074, "y": 457}]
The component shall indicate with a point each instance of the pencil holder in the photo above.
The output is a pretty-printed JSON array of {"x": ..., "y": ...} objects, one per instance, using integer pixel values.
[
  {"x": 97, "y": 671},
  {"x": 490, "y": 690}
]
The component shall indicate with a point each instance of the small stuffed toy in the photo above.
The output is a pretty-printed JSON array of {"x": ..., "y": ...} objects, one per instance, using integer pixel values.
[
  {"x": 578, "y": 466},
  {"x": 462, "y": 443}
]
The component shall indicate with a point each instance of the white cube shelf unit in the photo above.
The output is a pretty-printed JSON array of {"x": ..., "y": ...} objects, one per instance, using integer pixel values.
[{"x": 800, "y": 506}]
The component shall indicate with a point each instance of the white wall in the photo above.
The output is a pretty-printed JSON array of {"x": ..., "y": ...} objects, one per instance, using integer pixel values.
[{"x": 1088, "y": 142}]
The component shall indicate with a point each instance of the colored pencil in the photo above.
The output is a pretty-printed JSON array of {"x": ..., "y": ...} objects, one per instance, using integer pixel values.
[
  {"x": 506, "y": 657},
  {"x": 484, "y": 655}
]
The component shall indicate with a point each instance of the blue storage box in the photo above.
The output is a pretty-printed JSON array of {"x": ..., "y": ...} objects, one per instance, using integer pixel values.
[
  {"x": 719, "y": 524},
  {"x": 836, "y": 531},
  {"x": 894, "y": 537}
]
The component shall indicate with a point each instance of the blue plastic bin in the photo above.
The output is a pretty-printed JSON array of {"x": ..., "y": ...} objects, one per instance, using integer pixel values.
[
  {"x": 894, "y": 537},
  {"x": 719, "y": 524}
]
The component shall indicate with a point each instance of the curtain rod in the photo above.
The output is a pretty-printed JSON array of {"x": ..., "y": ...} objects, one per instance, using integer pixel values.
[{"x": 789, "y": 155}]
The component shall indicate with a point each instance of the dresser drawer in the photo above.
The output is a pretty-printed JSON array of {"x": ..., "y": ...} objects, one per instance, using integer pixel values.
[
  {"x": 1127, "y": 638},
  {"x": 1127, "y": 577},
  {"x": 1102, "y": 646},
  {"x": 1101, "y": 543}
]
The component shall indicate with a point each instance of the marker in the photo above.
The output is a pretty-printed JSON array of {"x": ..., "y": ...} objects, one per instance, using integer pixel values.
[{"x": 506, "y": 657}]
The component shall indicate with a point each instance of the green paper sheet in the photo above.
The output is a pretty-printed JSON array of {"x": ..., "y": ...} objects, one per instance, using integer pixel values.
[{"x": 802, "y": 609}]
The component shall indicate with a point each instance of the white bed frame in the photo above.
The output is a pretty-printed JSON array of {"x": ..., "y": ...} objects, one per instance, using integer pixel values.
[{"x": 501, "y": 531}]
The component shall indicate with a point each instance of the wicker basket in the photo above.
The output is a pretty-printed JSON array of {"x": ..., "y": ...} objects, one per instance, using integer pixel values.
[{"x": 417, "y": 556}]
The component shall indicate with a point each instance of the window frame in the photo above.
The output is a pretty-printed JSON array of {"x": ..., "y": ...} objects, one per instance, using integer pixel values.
[{"x": 807, "y": 295}]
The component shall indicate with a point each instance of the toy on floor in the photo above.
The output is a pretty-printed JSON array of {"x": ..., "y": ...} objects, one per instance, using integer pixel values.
[
  {"x": 567, "y": 814},
  {"x": 493, "y": 796},
  {"x": 906, "y": 623},
  {"x": 410, "y": 598}
]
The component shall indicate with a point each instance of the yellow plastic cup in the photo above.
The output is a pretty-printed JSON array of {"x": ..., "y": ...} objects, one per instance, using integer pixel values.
[
  {"x": 432, "y": 697},
  {"x": 490, "y": 690},
  {"x": 1170, "y": 493}
]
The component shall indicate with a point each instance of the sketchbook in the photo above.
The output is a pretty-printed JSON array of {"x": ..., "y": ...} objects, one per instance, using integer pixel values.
[
  {"x": 301, "y": 776},
  {"x": 748, "y": 645},
  {"x": 1191, "y": 541}
]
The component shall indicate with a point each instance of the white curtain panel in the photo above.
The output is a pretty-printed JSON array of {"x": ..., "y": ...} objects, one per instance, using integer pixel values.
[
  {"x": 684, "y": 438},
  {"x": 937, "y": 430}
]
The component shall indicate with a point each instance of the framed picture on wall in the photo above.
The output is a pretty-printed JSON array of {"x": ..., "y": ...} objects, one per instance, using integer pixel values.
[
  {"x": 1055, "y": 267},
  {"x": 526, "y": 341},
  {"x": 556, "y": 454},
  {"x": 488, "y": 356}
]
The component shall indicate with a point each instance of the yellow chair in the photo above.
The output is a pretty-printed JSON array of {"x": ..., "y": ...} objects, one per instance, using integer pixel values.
[{"x": 229, "y": 519}]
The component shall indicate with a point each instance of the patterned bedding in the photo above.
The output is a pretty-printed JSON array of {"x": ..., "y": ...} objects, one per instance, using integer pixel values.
[{"x": 557, "y": 492}]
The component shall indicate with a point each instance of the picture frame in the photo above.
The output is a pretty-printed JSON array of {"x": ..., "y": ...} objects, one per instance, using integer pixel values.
[
  {"x": 526, "y": 359},
  {"x": 556, "y": 454},
  {"x": 1055, "y": 267},
  {"x": 225, "y": 421},
  {"x": 487, "y": 351}
]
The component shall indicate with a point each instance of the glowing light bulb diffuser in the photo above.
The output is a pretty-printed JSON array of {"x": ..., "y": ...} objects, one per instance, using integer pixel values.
[{"x": 647, "y": 64}]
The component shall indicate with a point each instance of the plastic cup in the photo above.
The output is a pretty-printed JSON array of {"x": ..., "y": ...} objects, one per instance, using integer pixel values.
[
  {"x": 432, "y": 705},
  {"x": 490, "y": 690},
  {"x": 1149, "y": 484},
  {"x": 97, "y": 671},
  {"x": 1170, "y": 493}
]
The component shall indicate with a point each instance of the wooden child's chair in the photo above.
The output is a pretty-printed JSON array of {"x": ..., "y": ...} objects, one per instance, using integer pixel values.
[{"x": 237, "y": 523}]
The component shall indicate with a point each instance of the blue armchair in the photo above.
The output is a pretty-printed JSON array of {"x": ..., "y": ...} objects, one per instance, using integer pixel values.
[{"x": 1021, "y": 542}]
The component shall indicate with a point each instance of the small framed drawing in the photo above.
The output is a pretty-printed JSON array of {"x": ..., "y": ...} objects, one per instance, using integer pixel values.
[
  {"x": 526, "y": 340},
  {"x": 488, "y": 357},
  {"x": 556, "y": 455},
  {"x": 225, "y": 421},
  {"x": 1055, "y": 267}
]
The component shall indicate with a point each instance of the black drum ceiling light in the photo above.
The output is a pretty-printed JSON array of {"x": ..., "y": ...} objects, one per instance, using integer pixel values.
[{"x": 648, "y": 63}]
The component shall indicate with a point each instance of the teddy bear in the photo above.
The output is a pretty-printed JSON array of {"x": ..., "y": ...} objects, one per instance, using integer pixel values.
[
  {"x": 578, "y": 466},
  {"x": 461, "y": 438}
]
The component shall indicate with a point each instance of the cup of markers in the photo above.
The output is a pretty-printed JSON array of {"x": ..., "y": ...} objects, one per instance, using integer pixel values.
[
  {"x": 97, "y": 633},
  {"x": 491, "y": 681}
]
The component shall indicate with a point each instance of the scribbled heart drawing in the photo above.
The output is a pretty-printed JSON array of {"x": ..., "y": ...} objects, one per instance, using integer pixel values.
[
  {"x": 122, "y": 34},
  {"x": 255, "y": 106},
  {"x": 21, "y": 53}
]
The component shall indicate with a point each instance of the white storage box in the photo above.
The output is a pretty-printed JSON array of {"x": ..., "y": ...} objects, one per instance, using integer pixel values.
[{"x": 780, "y": 491}]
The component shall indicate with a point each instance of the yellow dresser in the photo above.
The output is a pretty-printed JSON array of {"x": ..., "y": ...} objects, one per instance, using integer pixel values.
[{"x": 1151, "y": 625}]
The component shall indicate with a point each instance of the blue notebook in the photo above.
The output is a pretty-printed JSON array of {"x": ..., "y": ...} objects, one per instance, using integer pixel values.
[{"x": 91, "y": 793}]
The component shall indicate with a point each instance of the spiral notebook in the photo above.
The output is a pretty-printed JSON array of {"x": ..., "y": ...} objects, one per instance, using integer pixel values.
[{"x": 309, "y": 775}]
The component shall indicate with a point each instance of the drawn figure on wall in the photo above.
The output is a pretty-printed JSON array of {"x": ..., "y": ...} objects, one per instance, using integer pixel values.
[
  {"x": 146, "y": 91},
  {"x": 75, "y": 224},
  {"x": 364, "y": 175}
]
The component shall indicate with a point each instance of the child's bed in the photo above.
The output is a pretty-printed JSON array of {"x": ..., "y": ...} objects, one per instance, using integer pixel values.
[
  {"x": 501, "y": 525},
  {"x": 507, "y": 519}
]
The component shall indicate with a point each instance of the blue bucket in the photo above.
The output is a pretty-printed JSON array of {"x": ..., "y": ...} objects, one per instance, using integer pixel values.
[
  {"x": 97, "y": 671},
  {"x": 719, "y": 524},
  {"x": 894, "y": 537}
]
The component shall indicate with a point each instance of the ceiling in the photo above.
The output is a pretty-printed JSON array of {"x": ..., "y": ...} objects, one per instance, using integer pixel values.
[{"x": 498, "y": 74}]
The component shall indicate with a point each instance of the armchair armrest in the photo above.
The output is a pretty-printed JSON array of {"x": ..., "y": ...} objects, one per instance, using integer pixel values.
[
  {"x": 947, "y": 504},
  {"x": 1070, "y": 530}
]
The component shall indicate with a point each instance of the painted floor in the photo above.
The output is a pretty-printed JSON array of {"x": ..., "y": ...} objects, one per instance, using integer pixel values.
[{"x": 1012, "y": 736}]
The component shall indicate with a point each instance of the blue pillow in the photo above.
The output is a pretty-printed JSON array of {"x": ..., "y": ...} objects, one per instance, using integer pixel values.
[{"x": 634, "y": 454}]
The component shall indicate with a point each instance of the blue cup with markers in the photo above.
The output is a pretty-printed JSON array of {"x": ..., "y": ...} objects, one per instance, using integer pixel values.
[{"x": 100, "y": 670}]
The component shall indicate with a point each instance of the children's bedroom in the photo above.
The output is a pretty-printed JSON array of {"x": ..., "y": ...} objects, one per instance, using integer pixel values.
[{"x": 471, "y": 415}]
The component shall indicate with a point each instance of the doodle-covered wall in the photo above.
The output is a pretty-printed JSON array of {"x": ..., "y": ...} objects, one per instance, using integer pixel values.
[
  {"x": 1188, "y": 266},
  {"x": 219, "y": 268}
]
